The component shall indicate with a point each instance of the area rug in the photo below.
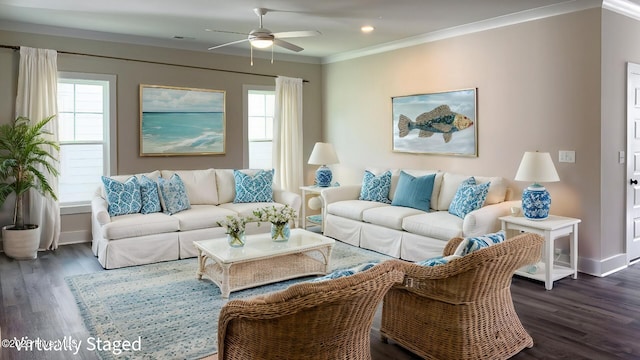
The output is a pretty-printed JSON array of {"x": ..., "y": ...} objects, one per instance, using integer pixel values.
[{"x": 161, "y": 311}]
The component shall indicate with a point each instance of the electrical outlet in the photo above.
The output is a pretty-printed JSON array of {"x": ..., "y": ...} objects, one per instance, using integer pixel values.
[{"x": 557, "y": 252}]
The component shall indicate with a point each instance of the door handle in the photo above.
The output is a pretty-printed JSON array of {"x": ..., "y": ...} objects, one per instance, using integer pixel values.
[{"x": 633, "y": 182}]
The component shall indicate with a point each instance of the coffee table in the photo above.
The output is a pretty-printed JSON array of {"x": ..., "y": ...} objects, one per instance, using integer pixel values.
[{"x": 263, "y": 261}]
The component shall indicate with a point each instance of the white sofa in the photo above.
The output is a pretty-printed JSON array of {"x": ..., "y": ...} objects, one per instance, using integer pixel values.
[
  {"x": 136, "y": 239},
  {"x": 408, "y": 233}
]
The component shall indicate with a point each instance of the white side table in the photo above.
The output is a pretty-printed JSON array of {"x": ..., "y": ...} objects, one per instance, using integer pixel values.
[
  {"x": 551, "y": 228},
  {"x": 304, "y": 219}
]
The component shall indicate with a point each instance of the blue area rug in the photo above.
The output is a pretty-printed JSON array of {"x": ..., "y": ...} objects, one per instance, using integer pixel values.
[{"x": 163, "y": 311}]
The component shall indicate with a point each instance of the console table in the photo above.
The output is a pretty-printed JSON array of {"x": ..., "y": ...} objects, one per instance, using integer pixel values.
[{"x": 551, "y": 228}]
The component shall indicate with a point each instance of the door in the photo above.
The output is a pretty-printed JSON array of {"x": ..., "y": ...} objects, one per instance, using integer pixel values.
[{"x": 633, "y": 162}]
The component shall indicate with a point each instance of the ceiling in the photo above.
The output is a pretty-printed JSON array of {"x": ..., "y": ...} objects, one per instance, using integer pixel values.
[{"x": 158, "y": 22}]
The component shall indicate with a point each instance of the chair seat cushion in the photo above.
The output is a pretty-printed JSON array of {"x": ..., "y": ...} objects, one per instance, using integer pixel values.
[
  {"x": 439, "y": 225},
  {"x": 389, "y": 216},
  {"x": 352, "y": 209}
]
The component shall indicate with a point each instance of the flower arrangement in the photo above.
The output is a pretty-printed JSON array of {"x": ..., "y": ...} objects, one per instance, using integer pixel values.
[
  {"x": 233, "y": 224},
  {"x": 275, "y": 215}
]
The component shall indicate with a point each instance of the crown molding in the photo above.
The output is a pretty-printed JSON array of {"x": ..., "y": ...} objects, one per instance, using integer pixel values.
[
  {"x": 497, "y": 22},
  {"x": 623, "y": 7}
]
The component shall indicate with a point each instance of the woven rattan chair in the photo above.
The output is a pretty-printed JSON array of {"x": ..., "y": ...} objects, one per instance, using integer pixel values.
[
  {"x": 462, "y": 309},
  {"x": 324, "y": 320}
]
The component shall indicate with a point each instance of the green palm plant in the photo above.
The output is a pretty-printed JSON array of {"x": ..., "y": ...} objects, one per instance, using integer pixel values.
[{"x": 23, "y": 152}]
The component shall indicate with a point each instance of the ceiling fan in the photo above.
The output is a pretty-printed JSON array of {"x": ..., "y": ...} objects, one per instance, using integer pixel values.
[{"x": 263, "y": 38}]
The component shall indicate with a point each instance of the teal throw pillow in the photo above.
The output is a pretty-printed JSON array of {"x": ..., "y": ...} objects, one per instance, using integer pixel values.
[
  {"x": 438, "y": 260},
  {"x": 174, "y": 194},
  {"x": 414, "y": 192},
  {"x": 122, "y": 198},
  {"x": 471, "y": 244},
  {"x": 251, "y": 189},
  {"x": 469, "y": 196},
  {"x": 376, "y": 188},
  {"x": 150, "y": 196},
  {"x": 345, "y": 272}
]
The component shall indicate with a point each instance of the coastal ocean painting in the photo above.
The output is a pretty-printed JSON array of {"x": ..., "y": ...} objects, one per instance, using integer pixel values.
[
  {"x": 443, "y": 123},
  {"x": 181, "y": 121}
]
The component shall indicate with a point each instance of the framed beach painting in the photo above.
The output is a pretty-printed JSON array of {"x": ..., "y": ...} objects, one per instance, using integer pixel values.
[
  {"x": 443, "y": 123},
  {"x": 177, "y": 121}
]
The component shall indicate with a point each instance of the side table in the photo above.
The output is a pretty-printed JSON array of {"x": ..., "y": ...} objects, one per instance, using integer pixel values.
[
  {"x": 551, "y": 228},
  {"x": 313, "y": 219}
]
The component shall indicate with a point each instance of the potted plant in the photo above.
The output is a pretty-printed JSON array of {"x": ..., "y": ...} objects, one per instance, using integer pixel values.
[
  {"x": 279, "y": 217},
  {"x": 23, "y": 153},
  {"x": 235, "y": 226}
]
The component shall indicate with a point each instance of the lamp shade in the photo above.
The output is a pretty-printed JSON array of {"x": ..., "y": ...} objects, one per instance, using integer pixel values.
[
  {"x": 323, "y": 154},
  {"x": 537, "y": 167}
]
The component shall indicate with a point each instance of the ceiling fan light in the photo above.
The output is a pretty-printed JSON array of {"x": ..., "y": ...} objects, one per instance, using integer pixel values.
[{"x": 261, "y": 43}]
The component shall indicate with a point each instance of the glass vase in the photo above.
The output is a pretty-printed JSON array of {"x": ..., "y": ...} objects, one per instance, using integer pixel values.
[
  {"x": 236, "y": 239},
  {"x": 280, "y": 231}
]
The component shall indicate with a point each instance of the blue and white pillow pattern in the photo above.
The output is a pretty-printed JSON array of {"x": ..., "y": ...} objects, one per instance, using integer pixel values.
[
  {"x": 376, "y": 188},
  {"x": 174, "y": 194},
  {"x": 345, "y": 272},
  {"x": 469, "y": 196},
  {"x": 251, "y": 189},
  {"x": 150, "y": 196},
  {"x": 122, "y": 198},
  {"x": 471, "y": 244},
  {"x": 438, "y": 260}
]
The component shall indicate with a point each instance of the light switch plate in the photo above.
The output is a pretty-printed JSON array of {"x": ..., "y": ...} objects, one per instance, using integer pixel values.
[{"x": 567, "y": 156}]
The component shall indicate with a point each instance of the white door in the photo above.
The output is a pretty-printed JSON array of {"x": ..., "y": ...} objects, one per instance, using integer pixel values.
[{"x": 633, "y": 162}]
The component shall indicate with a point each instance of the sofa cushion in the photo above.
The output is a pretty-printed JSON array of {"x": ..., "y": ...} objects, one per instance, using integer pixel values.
[
  {"x": 414, "y": 192},
  {"x": 201, "y": 217},
  {"x": 200, "y": 185},
  {"x": 253, "y": 188},
  {"x": 246, "y": 209},
  {"x": 439, "y": 225},
  {"x": 352, "y": 209},
  {"x": 389, "y": 216},
  {"x": 174, "y": 194},
  {"x": 376, "y": 188},
  {"x": 471, "y": 244},
  {"x": 134, "y": 225},
  {"x": 450, "y": 182},
  {"x": 123, "y": 197},
  {"x": 470, "y": 196},
  {"x": 150, "y": 196}
]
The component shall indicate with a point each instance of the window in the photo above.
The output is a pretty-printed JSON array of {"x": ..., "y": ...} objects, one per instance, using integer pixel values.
[
  {"x": 260, "y": 112},
  {"x": 86, "y": 115}
]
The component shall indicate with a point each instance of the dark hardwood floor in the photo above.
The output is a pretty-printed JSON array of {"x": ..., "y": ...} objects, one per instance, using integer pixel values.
[{"x": 587, "y": 318}]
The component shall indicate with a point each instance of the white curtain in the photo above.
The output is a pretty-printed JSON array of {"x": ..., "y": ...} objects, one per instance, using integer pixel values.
[
  {"x": 287, "y": 134},
  {"x": 36, "y": 100}
]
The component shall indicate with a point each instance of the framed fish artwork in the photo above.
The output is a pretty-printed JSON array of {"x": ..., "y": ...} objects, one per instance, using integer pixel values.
[
  {"x": 177, "y": 121},
  {"x": 443, "y": 123}
]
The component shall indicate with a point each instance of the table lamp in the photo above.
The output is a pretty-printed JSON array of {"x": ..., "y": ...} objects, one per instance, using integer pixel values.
[
  {"x": 537, "y": 167},
  {"x": 323, "y": 154}
]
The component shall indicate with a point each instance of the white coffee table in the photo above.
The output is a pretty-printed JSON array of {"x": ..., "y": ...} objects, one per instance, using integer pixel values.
[{"x": 263, "y": 261}]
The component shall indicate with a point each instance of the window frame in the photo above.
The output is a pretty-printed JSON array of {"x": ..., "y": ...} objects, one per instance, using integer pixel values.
[
  {"x": 245, "y": 115},
  {"x": 110, "y": 127}
]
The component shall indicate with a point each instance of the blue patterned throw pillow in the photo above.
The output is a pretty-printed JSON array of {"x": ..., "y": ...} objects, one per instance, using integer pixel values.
[
  {"x": 345, "y": 272},
  {"x": 251, "y": 189},
  {"x": 471, "y": 244},
  {"x": 414, "y": 192},
  {"x": 122, "y": 198},
  {"x": 469, "y": 196},
  {"x": 150, "y": 196},
  {"x": 174, "y": 194},
  {"x": 376, "y": 188},
  {"x": 438, "y": 260}
]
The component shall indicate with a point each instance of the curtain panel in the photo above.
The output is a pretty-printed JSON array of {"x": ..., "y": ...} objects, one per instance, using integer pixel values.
[{"x": 287, "y": 134}]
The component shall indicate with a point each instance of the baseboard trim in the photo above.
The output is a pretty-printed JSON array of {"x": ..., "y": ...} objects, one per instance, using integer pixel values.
[
  {"x": 604, "y": 267},
  {"x": 74, "y": 237}
]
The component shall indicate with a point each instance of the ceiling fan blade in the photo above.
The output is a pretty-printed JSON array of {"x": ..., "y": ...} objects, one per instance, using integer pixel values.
[
  {"x": 287, "y": 45},
  {"x": 292, "y": 34},
  {"x": 229, "y": 43},
  {"x": 226, "y": 32}
]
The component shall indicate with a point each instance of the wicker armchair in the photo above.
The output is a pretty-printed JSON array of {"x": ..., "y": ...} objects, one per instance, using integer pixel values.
[
  {"x": 324, "y": 320},
  {"x": 462, "y": 309}
]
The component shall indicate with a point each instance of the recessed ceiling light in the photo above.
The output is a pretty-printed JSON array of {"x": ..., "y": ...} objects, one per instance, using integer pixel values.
[{"x": 367, "y": 29}]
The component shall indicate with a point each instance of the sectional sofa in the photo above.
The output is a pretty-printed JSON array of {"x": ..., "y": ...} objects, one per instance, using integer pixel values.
[
  {"x": 408, "y": 232},
  {"x": 143, "y": 238}
]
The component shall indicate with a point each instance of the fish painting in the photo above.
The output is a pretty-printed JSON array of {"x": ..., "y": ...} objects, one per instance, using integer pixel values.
[{"x": 439, "y": 120}]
